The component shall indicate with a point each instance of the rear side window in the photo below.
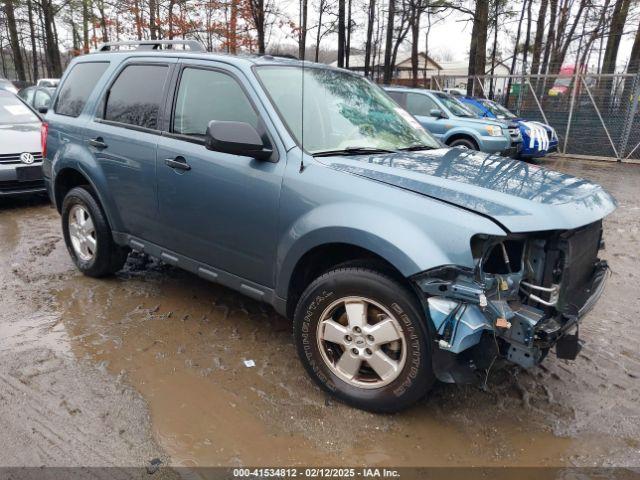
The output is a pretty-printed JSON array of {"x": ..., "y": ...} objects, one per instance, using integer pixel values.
[
  {"x": 78, "y": 86},
  {"x": 418, "y": 104},
  {"x": 136, "y": 95},
  {"x": 206, "y": 95}
]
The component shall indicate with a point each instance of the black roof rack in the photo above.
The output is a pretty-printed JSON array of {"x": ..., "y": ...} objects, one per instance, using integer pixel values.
[{"x": 193, "y": 45}]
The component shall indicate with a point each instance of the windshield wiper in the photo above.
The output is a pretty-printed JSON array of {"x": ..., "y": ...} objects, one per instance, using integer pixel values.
[
  {"x": 415, "y": 148},
  {"x": 353, "y": 151}
]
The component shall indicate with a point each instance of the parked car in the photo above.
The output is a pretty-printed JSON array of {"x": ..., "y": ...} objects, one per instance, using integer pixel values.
[
  {"x": 399, "y": 261},
  {"x": 454, "y": 91},
  {"x": 7, "y": 86},
  {"x": 538, "y": 138},
  {"x": 39, "y": 98},
  {"x": 20, "y": 155},
  {"x": 48, "y": 82},
  {"x": 454, "y": 124}
]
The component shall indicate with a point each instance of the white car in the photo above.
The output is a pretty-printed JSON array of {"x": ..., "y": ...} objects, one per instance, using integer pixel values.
[
  {"x": 7, "y": 85},
  {"x": 20, "y": 147},
  {"x": 48, "y": 82}
]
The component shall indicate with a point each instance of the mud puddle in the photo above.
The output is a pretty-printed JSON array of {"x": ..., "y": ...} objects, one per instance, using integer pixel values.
[{"x": 182, "y": 343}]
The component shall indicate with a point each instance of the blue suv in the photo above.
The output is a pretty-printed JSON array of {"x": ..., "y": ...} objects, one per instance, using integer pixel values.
[
  {"x": 306, "y": 187},
  {"x": 452, "y": 123},
  {"x": 538, "y": 139}
]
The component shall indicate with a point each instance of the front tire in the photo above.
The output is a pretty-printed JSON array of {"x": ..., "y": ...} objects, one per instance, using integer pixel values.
[
  {"x": 464, "y": 143},
  {"x": 362, "y": 337},
  {"x": 88, "y": 237}
]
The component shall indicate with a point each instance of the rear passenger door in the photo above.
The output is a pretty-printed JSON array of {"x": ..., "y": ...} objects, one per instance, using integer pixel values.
[
  {"x": 123, "y": 137},
  {"x": 219, "y": 209}
]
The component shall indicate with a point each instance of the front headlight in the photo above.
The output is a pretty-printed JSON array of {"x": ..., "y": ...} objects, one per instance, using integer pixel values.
[{"x": 494, "y": 130}]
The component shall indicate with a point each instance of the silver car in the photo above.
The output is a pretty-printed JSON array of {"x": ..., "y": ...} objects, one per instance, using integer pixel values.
[{"x": 20, "y": 148}]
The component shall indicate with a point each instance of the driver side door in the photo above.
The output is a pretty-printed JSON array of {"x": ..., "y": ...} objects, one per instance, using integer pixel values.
[{"x": 217, "y": 208}]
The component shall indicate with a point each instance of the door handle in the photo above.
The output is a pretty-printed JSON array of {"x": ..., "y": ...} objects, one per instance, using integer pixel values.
[
  {"x": 97, "y": 143},
  {"x": 178, "y": 163}
]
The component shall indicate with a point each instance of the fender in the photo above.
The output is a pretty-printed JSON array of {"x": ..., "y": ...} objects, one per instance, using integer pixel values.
[
  {"x": 72, "y": 156},
  {"x": 461, "y": 131},
  {"x": 394, "y": 238}
]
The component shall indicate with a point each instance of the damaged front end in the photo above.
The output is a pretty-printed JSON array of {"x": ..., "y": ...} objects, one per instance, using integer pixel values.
[{"x": 525, "y": 295}]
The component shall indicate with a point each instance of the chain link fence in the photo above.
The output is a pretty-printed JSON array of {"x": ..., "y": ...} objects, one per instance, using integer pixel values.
[{"x": 594, "y": 115}]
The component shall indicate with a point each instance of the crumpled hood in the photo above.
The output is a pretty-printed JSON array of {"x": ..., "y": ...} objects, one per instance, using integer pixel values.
[
  {"x": 519, "y": 196},
  {"x": 19, "y": 138}
]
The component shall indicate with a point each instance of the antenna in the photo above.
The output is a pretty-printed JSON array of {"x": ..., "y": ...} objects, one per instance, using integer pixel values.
[{"x": 302, "y": 110}]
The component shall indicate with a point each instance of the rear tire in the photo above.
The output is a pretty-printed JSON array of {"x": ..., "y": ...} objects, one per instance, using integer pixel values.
[
  {"x": 464, "y": 143},
  {"x": 383, "y": 367},
  {"x": 88, "y": 235}
]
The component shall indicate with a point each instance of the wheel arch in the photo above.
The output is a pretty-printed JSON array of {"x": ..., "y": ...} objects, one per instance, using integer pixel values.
[
  {"x": 69, "y": 176},
  {"x": 461, "y": 134}
]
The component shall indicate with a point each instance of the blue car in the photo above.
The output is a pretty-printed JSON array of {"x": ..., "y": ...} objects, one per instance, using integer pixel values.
[
  {"x": 398, "y": 260},
  {"x": 538, "y": 139}
]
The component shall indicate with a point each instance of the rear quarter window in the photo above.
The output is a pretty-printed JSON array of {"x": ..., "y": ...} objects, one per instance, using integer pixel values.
[{"x": 77, "y": 87}]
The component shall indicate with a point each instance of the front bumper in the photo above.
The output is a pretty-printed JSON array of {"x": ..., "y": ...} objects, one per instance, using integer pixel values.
[
  {"x": 19, "y": 179},
  {"x": 473, "y": 325}
]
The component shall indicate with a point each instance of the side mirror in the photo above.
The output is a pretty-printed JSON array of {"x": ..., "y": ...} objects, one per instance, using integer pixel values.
[
  {"x": 436, "y": 113},
  {"x": 43, "y": 110},
  {"x": 236, "y": 138}
]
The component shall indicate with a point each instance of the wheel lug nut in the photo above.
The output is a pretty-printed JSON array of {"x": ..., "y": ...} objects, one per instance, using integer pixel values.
[
  {"x": 354, "y": 351},
  {"x": 356, "y": 329},
  {"x": 347, "y": 338},
  {"x": 368, "y": 351},
  {"x": 370, "y": 338}
]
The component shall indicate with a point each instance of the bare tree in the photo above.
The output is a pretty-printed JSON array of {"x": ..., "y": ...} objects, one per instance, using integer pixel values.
[
  {"x": 14, "y": 40},
  {"x": 537, "y": 41},
  {"x": 478, "y": 47},
  {"x": 616, "y": 29},
  {"x": 388, "y": 67},
  {"x": 369, "y": 41}
]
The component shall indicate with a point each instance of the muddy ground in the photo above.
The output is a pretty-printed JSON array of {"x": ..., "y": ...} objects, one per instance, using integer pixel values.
[{"x": 150, "y": 364}]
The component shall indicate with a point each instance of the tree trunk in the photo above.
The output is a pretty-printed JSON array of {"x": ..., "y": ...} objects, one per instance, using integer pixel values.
[
  {"x": 103, "y": 22},
  {"x": 616, "y": 29},
  {"x": 525, "y": 53},
  {"x": 388, "y": 67},
  {"x": 634, "y": 60},
  {"x": 85, "y": 26},
  {"x": 258, "y": 14},
  {"x": 514, "y": 59},
  {"x": 233, "y": 28},
  {"x": 537, "y": 42},
  {"x": 347, "y": 50},
  {"x": 415, "y": 38},
  {"x": 14, "y": 40},
  {"x": 551, "y": 36},
  {"x": 478, "y": 47},
  {"x": 369, "y": 42},
  {"x": 304, "y": 14},
  {"x": 51, "y": 43},
  {"x": 32, "y": 35},
  {"x": 557, "y": 58},
  {"x": 494, "y": 49},
  {"x": 152, "y": 20},
  {"x": 319, "y": 33},
  {"x": 341, "y": 32}
]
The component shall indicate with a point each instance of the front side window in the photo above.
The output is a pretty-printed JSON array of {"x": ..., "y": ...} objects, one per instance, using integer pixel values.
[
  {"x": 76, "y": 89},
  {"x": 135, "y": 98},
  {"x": 206, "y": 95},
  {"x": 341, "y": 111},
  {"x": 419, "y": 104},
  {"x": 399, "y": 97},
  {"x": 13, "y": 111},
  {"x": 455, "y": 106}
]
